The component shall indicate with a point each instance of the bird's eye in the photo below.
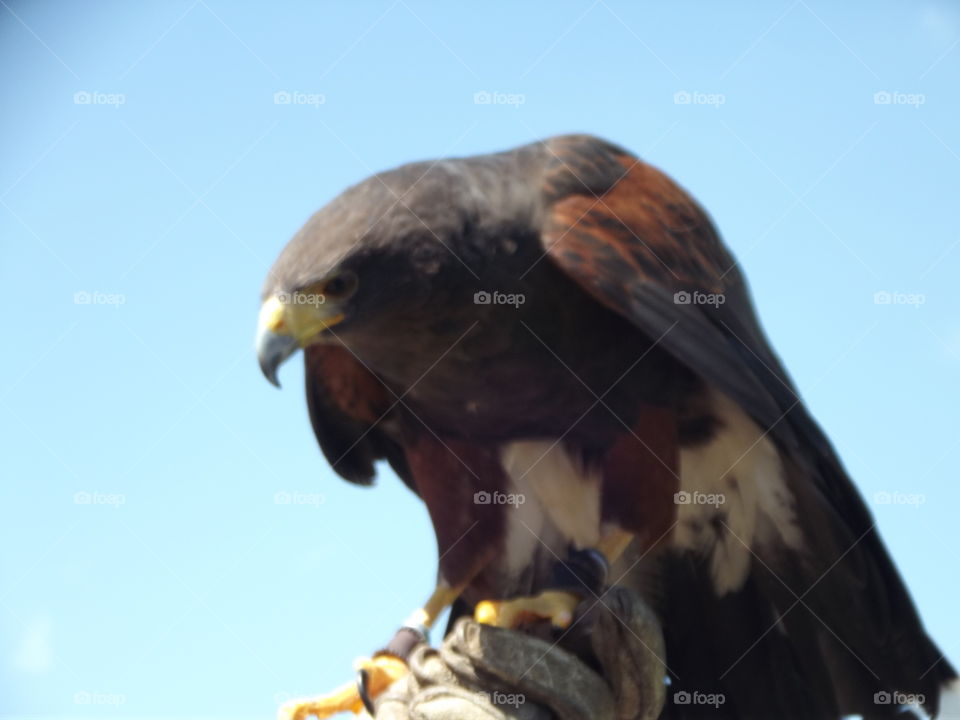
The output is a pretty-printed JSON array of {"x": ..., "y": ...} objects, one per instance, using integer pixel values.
[{"x": 341, "y": 285}]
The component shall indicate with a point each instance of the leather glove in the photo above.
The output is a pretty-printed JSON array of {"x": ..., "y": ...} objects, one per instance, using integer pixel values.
[{"x": 607, "y": 666}]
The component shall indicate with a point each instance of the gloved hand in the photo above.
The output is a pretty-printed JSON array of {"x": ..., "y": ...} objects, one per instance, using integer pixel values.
[{"x": 487, "y": 673}]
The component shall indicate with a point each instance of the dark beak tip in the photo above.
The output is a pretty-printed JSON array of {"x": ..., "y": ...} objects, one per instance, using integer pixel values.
[
  {"x": 270, "y": 373},
  {"x": 272, "y": 351}
]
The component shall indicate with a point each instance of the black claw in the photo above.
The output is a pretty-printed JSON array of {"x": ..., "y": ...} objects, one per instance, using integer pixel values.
[
  {"x": 585, "y": 571},
  {"x": 362, "y": 677}
]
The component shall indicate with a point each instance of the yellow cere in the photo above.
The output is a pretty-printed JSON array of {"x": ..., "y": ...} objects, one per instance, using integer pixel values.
[{"x": 271, "y": 315}]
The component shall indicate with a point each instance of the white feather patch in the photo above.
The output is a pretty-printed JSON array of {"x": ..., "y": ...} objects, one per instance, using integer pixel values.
[
  {"x": 733, "y": 496},
  {"x": 561, "y": 500}
]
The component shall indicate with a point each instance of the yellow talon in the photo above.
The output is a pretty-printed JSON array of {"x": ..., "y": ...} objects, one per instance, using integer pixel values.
[
  {"x": 554, "y": 605},
  {"x": 382, "y": 672},
  {"x": 486, "y": 612}
]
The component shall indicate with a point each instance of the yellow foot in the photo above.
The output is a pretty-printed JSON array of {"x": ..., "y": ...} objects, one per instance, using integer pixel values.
[
  {"x": 382, "y": 672},
  {"x": 554, "y": 605}
]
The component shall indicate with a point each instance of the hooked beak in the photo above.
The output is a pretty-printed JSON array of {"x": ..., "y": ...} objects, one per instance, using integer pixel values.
[{"x": 285, "y": 325}]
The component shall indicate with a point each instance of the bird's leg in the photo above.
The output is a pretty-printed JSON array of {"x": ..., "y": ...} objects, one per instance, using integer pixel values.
[
  {"x": 585, "y": 570},
  {"x": 442, "y": 598},
  {"x": 380, "y": 671},
  {"x": 613, "y": 544}
]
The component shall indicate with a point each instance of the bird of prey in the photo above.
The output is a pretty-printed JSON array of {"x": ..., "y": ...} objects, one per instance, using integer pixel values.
[{"x": 553, "y": 348}]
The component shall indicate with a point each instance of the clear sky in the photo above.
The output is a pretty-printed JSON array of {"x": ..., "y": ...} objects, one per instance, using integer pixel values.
[{"x": 150, "y": 174}]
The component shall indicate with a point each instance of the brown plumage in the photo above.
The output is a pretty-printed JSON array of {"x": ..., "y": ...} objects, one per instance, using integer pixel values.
[{"x": 634, "y": 358}]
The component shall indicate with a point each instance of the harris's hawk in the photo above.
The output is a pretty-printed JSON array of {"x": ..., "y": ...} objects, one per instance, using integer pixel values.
[{"x": 553, "y": 348}]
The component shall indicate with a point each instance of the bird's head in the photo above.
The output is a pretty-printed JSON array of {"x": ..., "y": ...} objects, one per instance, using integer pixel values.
[
  {"x": 298, "y": 317},
  {"x": 385, "y": 262}
]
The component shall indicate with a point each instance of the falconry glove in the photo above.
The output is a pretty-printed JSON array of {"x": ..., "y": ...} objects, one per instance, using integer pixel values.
[{"x": 488, "y": 673}]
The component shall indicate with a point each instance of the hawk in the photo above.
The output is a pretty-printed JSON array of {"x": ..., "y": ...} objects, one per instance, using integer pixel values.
[{"x": 553, "y": 348}]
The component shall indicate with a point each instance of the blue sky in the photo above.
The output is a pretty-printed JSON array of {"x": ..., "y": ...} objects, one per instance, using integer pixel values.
[{"x": 150, "y": 176}]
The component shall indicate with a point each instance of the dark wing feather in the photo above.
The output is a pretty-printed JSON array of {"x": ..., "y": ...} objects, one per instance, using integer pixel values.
[
  {"x": 635, "y": 243},
  {"x": 347, "y": 405},
  {"x": 634, "y": 239}
]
